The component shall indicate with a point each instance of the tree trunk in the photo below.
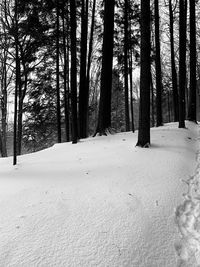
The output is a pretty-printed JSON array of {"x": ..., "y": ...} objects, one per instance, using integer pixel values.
[
  {"x": 16, "y": 84},
  {"x": 159, "y": 120},
  {"x": 90, "y": 55},
  {"x": 182, "y": 61},
  {"x": 152, "y": 102},
  {"x": 104, "y": 118},
  {"x": 192, "y": 91},
  {"x": 19, "y": 127},
  {"x": 91, "y": 42},
  {"x": 65, "y": 75},
  {"x": 168, "y": 105},
  {"x": 1, "y": 145},
  {"x": 83, "y": 90},
  {"x": 22, "y": 94},
  {"x": 3, "y": 100},
  {"x": 58, "y": 73},
  {"x": 73, "y": 72},
  {"x": 173, "y": 64},
  {"x": 68, "y": 76},
  {"x": 144, "y": 116},
  {"x": 126, "y": 40},
  {"x": 131, "y": 91}
]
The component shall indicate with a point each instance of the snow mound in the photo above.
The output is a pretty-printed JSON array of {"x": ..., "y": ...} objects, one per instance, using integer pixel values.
[{"x": 102, "y": 202}]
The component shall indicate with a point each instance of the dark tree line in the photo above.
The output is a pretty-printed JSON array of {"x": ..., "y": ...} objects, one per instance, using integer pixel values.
[
  {"x": 72, "y": 65},
  {"x": 179, "y": 96}
]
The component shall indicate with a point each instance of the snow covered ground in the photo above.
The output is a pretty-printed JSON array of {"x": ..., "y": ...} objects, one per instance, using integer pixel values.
[{"x": 102, "y": 202}]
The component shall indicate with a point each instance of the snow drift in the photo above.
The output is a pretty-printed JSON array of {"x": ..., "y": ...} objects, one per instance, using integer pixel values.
[{"x": 102, "y": 202}]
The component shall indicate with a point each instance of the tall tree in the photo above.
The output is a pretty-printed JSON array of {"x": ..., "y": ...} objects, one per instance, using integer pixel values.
[
  {"x": 152, "y": 101},
  {"x": 31, "y": 37},
  {"x": 91, "y": 42},
  {"x": 159, "y": 120},
  {"x": 104, "y": 118},
  {"x": 193, "y": 60},
  {"x": 83, "y": 91},
  {"x": 66, "y": 68},
  {"x": 144, "y": 116},
  {"x": 73, "y": 75},
  {"x": 131, "y": 90},
  {"x": 126, "y": 47},
  {"x": 173, "y": 64},
  {"x": 58, "y": 71},
  {"x": 17, "y": 76},
  {"x": 89, "y": 59},
  {"x": 182, "y": 60},
  {"x": 5, "y": 78},
  {"x": 3, "y": 106}
]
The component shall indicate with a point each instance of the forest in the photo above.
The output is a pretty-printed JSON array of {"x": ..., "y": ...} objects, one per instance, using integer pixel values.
[
  {"x": 106, "y": 93},
  {"x": 73, "y": 69}
]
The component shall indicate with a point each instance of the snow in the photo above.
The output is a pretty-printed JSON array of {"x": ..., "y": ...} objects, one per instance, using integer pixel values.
[
  {"x": 101, "y": 202},
  {"x": 188, "y": 221}
]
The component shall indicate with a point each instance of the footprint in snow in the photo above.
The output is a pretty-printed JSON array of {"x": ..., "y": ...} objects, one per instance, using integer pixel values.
[{"x": 22, "y": 216}]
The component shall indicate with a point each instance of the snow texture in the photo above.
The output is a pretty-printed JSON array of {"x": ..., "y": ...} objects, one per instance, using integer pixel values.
[
  {"x": 188, "y": 221},
  {"x": 102, "y": 202}
]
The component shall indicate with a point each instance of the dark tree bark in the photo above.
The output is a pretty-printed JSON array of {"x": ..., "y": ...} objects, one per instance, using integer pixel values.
[
  {"x": 1, "y": 145},
  {"x": 168, "y": 105},
  {"x": 4, "y": 83},
  {"x": 73, "y": 72},
  {"x": 159, "y": 120},
  {"x": 58, "y": 72},
  {"x": 83, "y": 90},
  {"x": 126, "y": 46},
  {"x": 68, "y": 77},
  {"x": 17, "y": 69},
  {"x": 131, "y": 71},
  {"x": 104, "y": 118},
  {"x": 182, "y": 61},
  {"x": 3, "y": 104},
  {"x": 90, "y": 57},
  {"x": 66, "y": 73},
  {"x": 91, "y": 43},
  {"x": 152, "y": 102},
  {"x": 22, "y": 71},
  {"x": 144, "y": 116},
  {"x": 173, "y": 64},
  {"x": 20, "y": 114},
  {"x": 131, "y": 91},
  {"x": 193, "y": 56}
]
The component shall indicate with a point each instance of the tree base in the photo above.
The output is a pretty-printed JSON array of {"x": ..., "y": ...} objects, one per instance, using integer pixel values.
[
  {"x": 146, "y": 145},
  {"x": 104, "y": 132}
]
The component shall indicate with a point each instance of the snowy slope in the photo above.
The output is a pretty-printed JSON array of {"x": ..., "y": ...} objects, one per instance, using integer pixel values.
[{"x": 101, "y": 202}]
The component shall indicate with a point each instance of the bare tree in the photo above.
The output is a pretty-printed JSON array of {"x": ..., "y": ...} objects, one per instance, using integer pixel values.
[
  {"x": 173, "y": 64},
  {"x": 73, "y": 71},
  {"x": 104, "y": 118},
  {"x": 145, "y": 76},
  {"x": 17, "y": 77},
  {"x": 182, "y": 60},
  {"x": 193, "y": 60},
  {"x": 159, "y": 120},
  {"x": 126, "y": 47},
  {"x": 83, "y": 91},
  {"x": 58, "y": 71}
]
